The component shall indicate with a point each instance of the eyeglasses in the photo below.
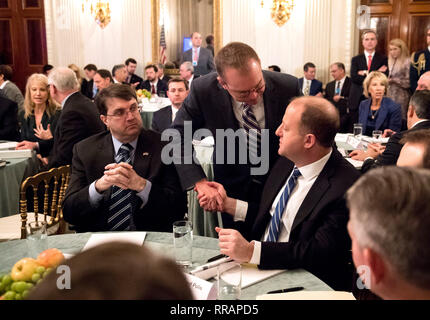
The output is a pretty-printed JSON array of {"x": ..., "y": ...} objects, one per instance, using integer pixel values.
[
  {"x": 259, "y": 89},
  {"x": 121, "y": 113}
]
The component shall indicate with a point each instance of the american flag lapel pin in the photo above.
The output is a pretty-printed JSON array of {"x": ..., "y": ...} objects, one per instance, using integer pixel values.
[{"x": 145, "y": 154}]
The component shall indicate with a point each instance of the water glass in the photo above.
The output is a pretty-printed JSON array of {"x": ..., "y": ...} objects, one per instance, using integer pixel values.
[
  {"x": 229, "y": 281},
  {"x": 358, "y": 130},
  {"x": 376, "y": 134},
  {"x": 183, "y": 242},
  {"x": 37, "y": 238}
]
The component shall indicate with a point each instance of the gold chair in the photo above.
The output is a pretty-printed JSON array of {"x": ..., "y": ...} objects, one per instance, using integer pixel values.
[{"x": 54, "y": 184}]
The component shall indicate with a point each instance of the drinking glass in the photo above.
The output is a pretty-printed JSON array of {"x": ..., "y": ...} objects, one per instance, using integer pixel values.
[
  {"x": 37, "y": 238},
  {"x": 183, "y": 242},
  {"x": 358, "y": 130},
  {"x": 376, "y": 134},
  {"x": 229, "y": 281}
]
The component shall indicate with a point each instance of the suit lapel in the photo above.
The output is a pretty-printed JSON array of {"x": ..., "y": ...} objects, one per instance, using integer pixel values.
[
  {"x": 143, "y": 155},
  {"x": 223, "y": 101},
  {"x": 346, "y": 86},
  {"x": 106, "y": 154},
  {"x": 382, "y": 114},
  {"x": 301, "y": 83},
  {"x": 272, "y": 119}
]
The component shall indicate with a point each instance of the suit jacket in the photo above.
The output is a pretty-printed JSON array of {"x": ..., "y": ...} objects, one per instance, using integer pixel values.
[
  {"x": 316, "y": 87},
  {"x": 79, "y": 119},
  {"x": 389, "y": 115},
  {"x": 162, "y": 119},
  {"x": 359, "y": 63},
  {"x": 414, "y": 73},
  {"x": 210, "y": 106},
  {"x": 8, "y": 119},
  {"x": 166, "y": 202},
  {"x": 135, "y": 78},
  {"x": 12, "y": 92},
  {"x": 343, "y": 104},
  {"x": 319, "y": 240},
  {"x": 87, "y": 88},
  {"x": 392, "y": 151},
  {"x": 166, "y": 79},
  {"x": 205, "y": 64},
  {"x": 161, "y": 87}
]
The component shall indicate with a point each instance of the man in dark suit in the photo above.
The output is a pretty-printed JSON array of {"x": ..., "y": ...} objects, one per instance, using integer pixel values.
[
  {"x": 416, "y": 149},
  {"x": 420, "y": 63},
  {"x": 201, "y": 58},
  {"x": 337, "y": 92},
  {"x": 119, "y": 181},
  {"x": 418, "y": 117},
  {"x": 161, "y": 74},
  {"x": 186, "y": 70},
  {"x": 132, "y": 79},
  {"x": 88, "y": 87},
  {"x": 361, "y": 66},
  {"x": 178, "y": 91},
  {"x": 308, "y": 84},
  {"x": 301, "y": 219},
  {"x": 230, "y": 101},
  {"x": 8, "y": 119},
  {"x": 153, "y": 84},
  {"x": 79, "y": 118}
]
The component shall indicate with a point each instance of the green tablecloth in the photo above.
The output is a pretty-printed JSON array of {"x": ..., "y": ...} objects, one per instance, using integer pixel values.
[
  {"x": 203, "y": 248},
  {"x": 11, "y": 178}
]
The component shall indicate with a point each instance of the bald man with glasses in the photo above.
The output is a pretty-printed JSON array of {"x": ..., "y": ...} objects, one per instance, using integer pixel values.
[{"x": 239, "y": 96}]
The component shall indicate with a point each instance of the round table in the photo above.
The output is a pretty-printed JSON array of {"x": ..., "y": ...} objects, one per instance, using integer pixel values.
[{"x": 203, "y": 249}]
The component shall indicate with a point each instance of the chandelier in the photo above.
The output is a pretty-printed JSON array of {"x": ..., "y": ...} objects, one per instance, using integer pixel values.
[
  {"x": 99, "y": 10},
  {"x": 281, "y": 11}
]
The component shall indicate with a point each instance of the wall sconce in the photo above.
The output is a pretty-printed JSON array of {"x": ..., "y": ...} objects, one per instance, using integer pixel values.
[
  {"x": 281, "y": 11},
  {"x": 99, "y": 10}
]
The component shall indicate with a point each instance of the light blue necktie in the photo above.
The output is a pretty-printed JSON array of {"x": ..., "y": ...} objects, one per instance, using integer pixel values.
[{"x": 275, "y": 223}]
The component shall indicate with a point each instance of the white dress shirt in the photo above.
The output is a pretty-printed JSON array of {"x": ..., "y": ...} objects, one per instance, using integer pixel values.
[
  {"x": 257, "y": 109},
  {"x": 174, "y": 112},
  {"x": 342, "y": 81},
  {"x": 309, "y": 175},
  {"x": 367, "y": 54},
  {"x": 4, "y": 84}
]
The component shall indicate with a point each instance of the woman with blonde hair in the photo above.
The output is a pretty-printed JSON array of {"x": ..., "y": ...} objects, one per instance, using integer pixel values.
[
  {"x": 40, "y": 116},
  {"x": 398, "y": 79},
  {"x": 78, "y": 73}
]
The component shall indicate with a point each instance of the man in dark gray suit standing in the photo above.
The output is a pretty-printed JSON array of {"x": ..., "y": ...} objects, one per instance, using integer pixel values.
[{"x": 201, "y": 58}]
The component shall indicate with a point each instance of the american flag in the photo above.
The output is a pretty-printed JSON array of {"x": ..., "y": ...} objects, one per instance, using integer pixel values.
[{"x": 163, "y": 57}]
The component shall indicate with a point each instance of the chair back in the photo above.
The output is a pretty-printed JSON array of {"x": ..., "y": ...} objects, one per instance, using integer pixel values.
[{"x": 49, "y": 188}]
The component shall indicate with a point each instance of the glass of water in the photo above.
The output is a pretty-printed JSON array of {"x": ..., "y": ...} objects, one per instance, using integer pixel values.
[
  {"x": 37, "y": 238},
  {"x": 229, "y": 281},
  {"x": 376, "y": 134},
  {"x": 183, "y": 242},
  {"x": 358, "y": 130}
]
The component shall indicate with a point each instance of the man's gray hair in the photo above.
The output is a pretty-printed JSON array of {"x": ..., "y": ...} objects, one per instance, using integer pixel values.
[
  {"x": 64, "y": 79},
  {"x": 390, "y": 213},
  {"x": 188, "y": 66}
]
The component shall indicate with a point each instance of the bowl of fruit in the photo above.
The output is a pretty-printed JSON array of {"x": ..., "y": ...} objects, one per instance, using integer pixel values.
[
  {"x": 142, "y": 94},
  {"x": 27, "y": 273}
]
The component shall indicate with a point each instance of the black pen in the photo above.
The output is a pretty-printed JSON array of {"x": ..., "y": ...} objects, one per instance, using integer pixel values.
[
  {"x": 216, "y": 257},
  {"x": 286, "y": 290}
]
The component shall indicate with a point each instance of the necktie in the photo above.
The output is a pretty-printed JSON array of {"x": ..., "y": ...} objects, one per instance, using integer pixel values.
[
  {"x": 129, "y": 79},
  {"x": 369, "y": 63},
  {"x": 275, "y": 223},
  {"x": 337, "y": 92},
  {"x": 196, "y": 57},
  {"x": 252, "y": 129},
  {"x": 153, "y": 89},
  {"x": 95, "y": 90},
  {"x": 120, "y": 208},
  {"x": 307, "y": 88}
]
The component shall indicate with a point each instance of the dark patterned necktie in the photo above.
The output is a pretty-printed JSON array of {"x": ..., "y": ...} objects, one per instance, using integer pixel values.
[
  {"x": 253, "y": 130},
  {"x": 120, "y": 209},
  {"x": 275, "y": 223}
]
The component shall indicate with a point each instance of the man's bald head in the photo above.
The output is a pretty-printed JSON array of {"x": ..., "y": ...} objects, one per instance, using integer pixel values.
[{"x": 424, "y": 82}]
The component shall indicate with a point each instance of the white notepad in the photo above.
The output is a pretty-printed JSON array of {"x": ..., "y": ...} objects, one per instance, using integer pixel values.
[
  {"x": 100, "y": 238},
  {"x": 250, "y": 274}
]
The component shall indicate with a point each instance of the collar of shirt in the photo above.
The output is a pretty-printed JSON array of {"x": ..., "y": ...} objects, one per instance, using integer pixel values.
[
  {"x": 115, "y": 81},
  {"x": 154, "y": 83},
  {"x": 312, "y": 170},
  {"x": 367, "y": 54},
  {"x": 257, "y": 109},
  {"x": 174, "y": 112},
  {"x": 4, "y": 84},
  {"x": 65, "y": 100},
  {"x": 117, "y": 144},
  {"x": 422, "y": 120}
]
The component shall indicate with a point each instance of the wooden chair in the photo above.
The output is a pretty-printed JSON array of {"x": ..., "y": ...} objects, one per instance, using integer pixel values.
[{"x": 49, "y": 187}]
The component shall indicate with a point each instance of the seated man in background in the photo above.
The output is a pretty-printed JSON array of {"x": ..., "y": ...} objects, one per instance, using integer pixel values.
[
  {"x": 119, "y": 73},
  {"x": 103, "y": 79},
  {"x": 416, "y": 149},
  {"x": 274, "y": 68},
  {"x": 308, "y": 84},
  {"x": 153, "y": 84},
  {"x": 301, "y": 219},
  {"x": 186, "y": 70},
  {"x": 8, "y": 119},
  {"x": 389, "y": 230},
  {"x": 132, "y": 78},
  {"x": 417, "y": 117},
  {"x": 117, "y": 271},
  {"x": 178, "y": 91},
  {"x": 88, "y": 87},
  {"x": 118, "y": 180},
  {"x": 8, "y": 88},
  {"x": 161, "y": 74},
  {"x": 337, "y": 92}
]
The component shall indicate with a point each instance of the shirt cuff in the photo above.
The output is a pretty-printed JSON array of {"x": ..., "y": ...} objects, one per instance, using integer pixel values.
[
  {"x": 241, "y": 210},
  {"x": 256, "y": 255},
  {"x": 94, "y": 196},
  {"x": 368, "y": 158},
  {"x": 144, "y": 194}
]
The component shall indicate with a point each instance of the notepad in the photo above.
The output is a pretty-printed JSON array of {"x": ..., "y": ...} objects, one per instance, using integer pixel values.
[
  {"x": 132, "y": 237},
  {"x": 250, "y": 274},
  {"x": 308, "y": 295},
  {"x": 8, "y": 145},
  {"x": 15, "y": 154}
]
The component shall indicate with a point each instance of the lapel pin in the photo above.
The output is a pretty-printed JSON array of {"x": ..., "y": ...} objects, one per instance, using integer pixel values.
[{"x": 145, "y": 154}]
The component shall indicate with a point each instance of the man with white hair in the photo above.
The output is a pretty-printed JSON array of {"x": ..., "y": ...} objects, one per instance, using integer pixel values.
[
  {"x": 79, "y": 118},
  {"x": 389, "y": 225},
  {"x": 186, "y": 70}
]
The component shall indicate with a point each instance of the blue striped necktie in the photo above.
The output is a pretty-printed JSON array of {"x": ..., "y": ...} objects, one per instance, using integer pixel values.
[
  {"x": 275, "y": 223},
  {"x": 253, "y": 130},
  {"x": 120, "y": 209}
]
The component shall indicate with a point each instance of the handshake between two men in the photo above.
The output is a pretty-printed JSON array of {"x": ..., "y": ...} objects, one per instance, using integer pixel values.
[{"x": 213, "y": 197}]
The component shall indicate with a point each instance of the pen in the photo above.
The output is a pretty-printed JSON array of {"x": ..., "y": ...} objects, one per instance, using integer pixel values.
[
  {"x": 286, "y": 290},
  {"x": 211, "y": 265},
  {"x": 216, "y": 257}
]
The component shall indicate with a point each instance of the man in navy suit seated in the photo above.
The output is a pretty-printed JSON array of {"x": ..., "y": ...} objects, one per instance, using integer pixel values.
[
  {"x": 309, "y": 85},
  {"x": 153, "y": 84},
  {"x": 177, "y": 92}
]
